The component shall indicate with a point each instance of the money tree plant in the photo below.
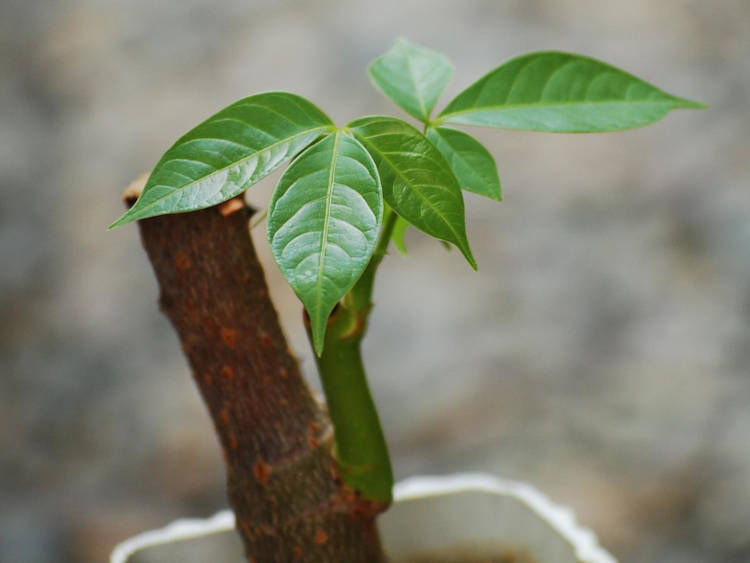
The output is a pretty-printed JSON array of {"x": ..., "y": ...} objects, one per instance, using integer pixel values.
[{"x": 299, "y": 488}]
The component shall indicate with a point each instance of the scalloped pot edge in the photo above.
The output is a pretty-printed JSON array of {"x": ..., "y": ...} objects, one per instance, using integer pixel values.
[{"x": 560, "y": 518}]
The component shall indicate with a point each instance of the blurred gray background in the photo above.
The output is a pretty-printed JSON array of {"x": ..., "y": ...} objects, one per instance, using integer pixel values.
[{"x": 601, "y": 352}]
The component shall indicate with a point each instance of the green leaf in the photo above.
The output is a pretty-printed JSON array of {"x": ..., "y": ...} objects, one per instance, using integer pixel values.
[
  {"x": 323, "y": 222},
  {"x": 417, "y": 181},
  {"x": 472, "y": 164},
  {"x": 412, "y": 76},
  {"x": 561, "y": 93},
  {"x": 397, "y": 236},
  {"x": 229, "y": 152}
]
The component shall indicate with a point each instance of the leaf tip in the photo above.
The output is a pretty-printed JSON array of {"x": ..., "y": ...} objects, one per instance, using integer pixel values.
[
  {"x": 495, "y": 193},
  {"x": 318, "y": 333},
  {"x": 401, "y": 248},
  {"x": 466, "y": 251},
  {"x": 314, "y": 328},
  {"x": 691, "y": 104},
  {"x": 124, "y": 220}
]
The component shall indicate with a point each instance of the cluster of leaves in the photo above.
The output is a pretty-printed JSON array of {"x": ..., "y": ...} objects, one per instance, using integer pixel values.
[{"x": 329, "y": 207}]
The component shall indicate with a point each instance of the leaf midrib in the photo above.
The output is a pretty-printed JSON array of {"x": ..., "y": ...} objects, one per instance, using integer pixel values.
[
  {"x": 443, "y": 116},
  {"x": 326, "y": 222},
  {"x": 416, "y": 191},
  {"x": 417, "y": 91},
  {"x": 234, "y": 164}
]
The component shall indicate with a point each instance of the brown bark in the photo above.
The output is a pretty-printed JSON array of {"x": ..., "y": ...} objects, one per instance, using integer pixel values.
[{"x": 282, "y": 483}]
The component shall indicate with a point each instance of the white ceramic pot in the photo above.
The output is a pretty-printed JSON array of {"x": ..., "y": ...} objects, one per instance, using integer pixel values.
[{"x": 472, "y": 513}]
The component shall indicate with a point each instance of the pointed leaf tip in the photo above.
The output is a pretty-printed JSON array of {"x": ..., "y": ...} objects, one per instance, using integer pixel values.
[
  {"x": 470, "y": 258},
  {"x": 130, "y": 196},
  {"x": 691, "y": 104},
  {"x": 319, "y": 341},
  {"x": 124, "y": 219}
]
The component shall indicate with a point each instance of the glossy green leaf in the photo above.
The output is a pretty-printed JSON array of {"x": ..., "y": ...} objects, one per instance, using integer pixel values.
[
  {"x": 323, "y": 222},
  {"x": 412, "y": 76},
  {"x": 561, "y": 93},
  {"x": 229, "y": 152},
  {"x": 417, "y": 181},
  {"x": 397, "y": 236},
  {"x": 472, "y": 164}
]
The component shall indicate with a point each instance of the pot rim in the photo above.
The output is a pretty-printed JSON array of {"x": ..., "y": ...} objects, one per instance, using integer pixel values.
[{"x": 560, "y": 518}]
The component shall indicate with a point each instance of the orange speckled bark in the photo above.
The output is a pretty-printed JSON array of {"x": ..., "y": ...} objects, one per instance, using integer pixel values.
[{"x": 282, "y": 478}]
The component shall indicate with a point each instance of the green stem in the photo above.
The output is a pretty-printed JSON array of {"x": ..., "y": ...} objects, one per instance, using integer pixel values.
[
  {"x": 360, "y": 296},
  {"x": 360, "y": 447}
]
